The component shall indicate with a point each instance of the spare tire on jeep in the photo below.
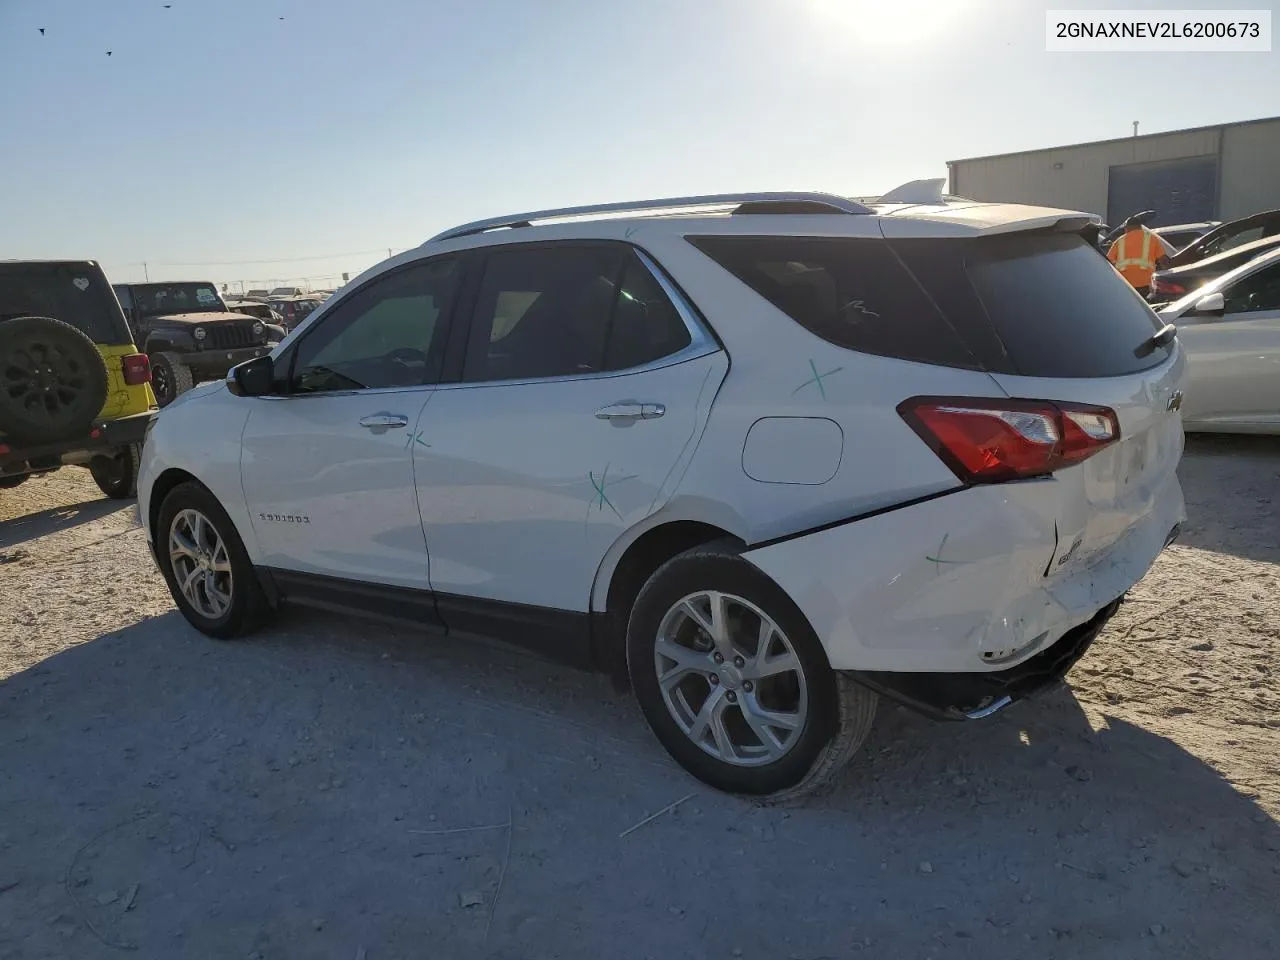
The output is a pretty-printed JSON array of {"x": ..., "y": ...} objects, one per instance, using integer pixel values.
[{"x": 53, "y": 381}]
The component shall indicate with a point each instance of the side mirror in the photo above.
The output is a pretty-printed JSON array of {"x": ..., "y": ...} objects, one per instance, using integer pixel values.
[
  {"x": 1212, "y": 305},
  {"x": 253, "y": 378}
]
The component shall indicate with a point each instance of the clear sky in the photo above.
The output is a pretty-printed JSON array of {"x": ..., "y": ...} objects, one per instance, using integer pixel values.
[{"x": 218, "y": 132}]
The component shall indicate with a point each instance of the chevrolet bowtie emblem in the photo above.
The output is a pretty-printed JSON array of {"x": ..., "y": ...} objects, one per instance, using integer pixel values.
[{"x": 1175, "y": 401}]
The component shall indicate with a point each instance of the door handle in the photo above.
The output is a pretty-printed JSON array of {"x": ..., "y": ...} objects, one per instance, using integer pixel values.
[
  {"x": 631, "y": 410},
  {"x": 384, "y": 421}
]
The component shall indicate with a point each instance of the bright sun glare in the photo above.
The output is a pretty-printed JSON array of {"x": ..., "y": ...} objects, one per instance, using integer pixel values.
[{"x": 895, "y": 22}]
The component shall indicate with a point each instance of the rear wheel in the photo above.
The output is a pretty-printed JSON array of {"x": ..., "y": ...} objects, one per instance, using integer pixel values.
[
  {"x": 734, "y": 682},
  {"x": 170, "y": 377},
  {"x": 117, "y": 475},
  {"x": 205, "y": 564},
  {"x": 53, "y": 381}
]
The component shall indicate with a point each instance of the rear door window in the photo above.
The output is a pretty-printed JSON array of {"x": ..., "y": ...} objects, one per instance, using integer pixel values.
[
  {"x": 854, "y": 293},
  {"x": 561, "y": 310}
]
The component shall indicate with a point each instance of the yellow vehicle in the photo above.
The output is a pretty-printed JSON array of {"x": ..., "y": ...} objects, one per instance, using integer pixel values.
[{"x": 74, "y": 390}]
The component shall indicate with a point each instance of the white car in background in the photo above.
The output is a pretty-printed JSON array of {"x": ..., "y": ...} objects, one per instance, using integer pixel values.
[
  {"x": 1230, "y": 331},
  {"x": 765, "y": 456}
]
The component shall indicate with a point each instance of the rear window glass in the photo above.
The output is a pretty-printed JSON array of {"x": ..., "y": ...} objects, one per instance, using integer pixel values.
[
  {"x": 854, "y": 293},
  {"x": 74, "y": 293},
  {"x": 1060, "y": 309}
]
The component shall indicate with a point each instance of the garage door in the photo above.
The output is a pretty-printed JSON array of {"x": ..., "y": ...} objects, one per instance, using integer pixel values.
[{"x": 1180, "y": 191}]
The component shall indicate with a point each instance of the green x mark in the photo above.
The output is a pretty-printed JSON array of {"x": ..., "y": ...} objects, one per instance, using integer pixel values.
[
  {"x": 603, "y": 500},
  {"x": 938, "y": 561},
  {"x": 415, "y": 438},
  {"x": 816, "y": 379}
]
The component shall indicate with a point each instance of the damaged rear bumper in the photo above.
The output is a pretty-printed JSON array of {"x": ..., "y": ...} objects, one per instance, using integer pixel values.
[
  {"x": 978, "y": 581},
  {"x": 972, "y": 696}
]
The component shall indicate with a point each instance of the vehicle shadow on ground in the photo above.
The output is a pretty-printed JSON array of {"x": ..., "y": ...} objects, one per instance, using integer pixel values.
[
  {"x": 1249, "y": 525},
  {"x": 32, "y": 526},
  {"x": 336, "y": 789}
]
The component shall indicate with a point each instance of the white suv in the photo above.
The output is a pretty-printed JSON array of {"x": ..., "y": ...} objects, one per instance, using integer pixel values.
[{"x": 767, "y": 456}]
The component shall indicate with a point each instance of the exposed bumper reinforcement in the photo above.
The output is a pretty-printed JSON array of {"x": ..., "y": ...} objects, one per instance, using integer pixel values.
[{"x": 972, "y": 696}]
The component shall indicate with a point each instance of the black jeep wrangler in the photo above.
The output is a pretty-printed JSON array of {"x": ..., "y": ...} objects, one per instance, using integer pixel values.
[{"x": 189, "y": 334}]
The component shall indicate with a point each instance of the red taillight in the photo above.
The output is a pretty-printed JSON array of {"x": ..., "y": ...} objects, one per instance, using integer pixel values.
[
  {"x": 1166, "y": 286},
  {"x": 991, "y": 441},
  {"x": 137, "y": 369}
]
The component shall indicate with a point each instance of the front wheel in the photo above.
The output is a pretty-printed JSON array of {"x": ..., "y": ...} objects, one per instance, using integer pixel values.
[
  {"x": 734, "y": 682},
  {"x": 117, "y": 475},
  {"x": 205, "y": 564},
  {"x": 170, "y": 377},
  {"x": 8, "y": 483}
]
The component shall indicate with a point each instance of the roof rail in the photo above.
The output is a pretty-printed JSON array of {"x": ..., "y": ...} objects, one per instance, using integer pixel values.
[{"x": 821, "y": 202}]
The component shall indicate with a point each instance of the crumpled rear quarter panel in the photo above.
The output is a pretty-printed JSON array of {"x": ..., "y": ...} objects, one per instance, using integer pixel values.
[{"x": 935, "y": 585}]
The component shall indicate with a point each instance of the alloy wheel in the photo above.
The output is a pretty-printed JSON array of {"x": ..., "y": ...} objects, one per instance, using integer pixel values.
[
  {"x": 201, "y": 564},
  {"x": 731, "y": 678}
]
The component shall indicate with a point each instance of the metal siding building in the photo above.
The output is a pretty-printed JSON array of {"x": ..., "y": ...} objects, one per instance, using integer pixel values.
[{"x": 1208, "y": 173}]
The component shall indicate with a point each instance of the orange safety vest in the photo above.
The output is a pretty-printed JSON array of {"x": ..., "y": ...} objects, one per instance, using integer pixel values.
[{"x": 1135, "y": 255}]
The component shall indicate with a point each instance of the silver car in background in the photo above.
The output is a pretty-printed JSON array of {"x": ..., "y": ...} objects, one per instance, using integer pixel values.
[{"x": 1230, "y": 332}]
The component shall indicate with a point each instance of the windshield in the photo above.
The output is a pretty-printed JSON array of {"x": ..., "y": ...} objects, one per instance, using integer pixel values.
[{"x": 154, "y": 299}]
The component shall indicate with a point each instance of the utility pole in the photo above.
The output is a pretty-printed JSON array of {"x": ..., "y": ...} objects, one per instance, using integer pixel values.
[
  {"x": 145, "y": 273},
  {"x": 388, "y": 253},
  {"x": 1135, "y": 128}
]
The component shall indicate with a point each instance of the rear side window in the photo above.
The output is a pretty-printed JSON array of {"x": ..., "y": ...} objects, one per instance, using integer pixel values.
[
  {"x": 854, "y": 293},
  {"x": 1058, "y": 308},
  {"x": 77, "y": 294},
  {"x": 645, "y": 325}
]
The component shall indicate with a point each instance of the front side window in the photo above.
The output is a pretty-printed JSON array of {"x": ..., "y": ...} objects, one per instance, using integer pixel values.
[
  {"x": 387, "y": 334},
  {"x": 554, "y": 311},
  {"x": 1255, "y": 293}
]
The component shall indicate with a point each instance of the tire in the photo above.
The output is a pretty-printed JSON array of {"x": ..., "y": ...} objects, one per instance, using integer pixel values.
[
  {"x": 170, "y": 377},
  {"x": 8, "y": 483},
  {"x": 247, "y": 606},
  {"x": 53, "y": 381},
  {"x": 117, "y": 476},
  {"x": 837, "y": 713}
]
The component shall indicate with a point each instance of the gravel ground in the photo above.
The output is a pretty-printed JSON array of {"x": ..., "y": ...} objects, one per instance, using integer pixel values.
[{"x": 335, "y": 789}]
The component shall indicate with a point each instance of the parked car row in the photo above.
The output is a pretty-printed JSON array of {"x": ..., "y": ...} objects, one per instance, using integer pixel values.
[
  {"x": 74, "y": 388},
  {"x": 189, "y": 333},
  {"x": 1222, "y": 293}
]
